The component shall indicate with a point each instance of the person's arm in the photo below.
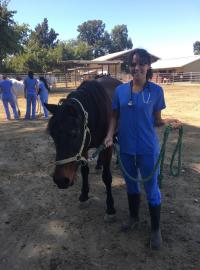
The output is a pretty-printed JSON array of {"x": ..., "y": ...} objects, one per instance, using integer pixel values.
[
  {"x": 174, "y": 123},
  {"x": 112, "y": 128}
]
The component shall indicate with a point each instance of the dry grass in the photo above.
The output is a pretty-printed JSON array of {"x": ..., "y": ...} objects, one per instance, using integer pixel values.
[{"x": 182, "y": 102}]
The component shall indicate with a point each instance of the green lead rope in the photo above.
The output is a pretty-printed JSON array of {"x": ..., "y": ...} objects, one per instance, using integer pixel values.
[{"x": 160, "y": 160}]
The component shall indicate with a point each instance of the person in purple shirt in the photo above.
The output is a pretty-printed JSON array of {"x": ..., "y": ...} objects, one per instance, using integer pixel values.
[
  {"x": 7, "y": 91},
  {"x": 30, "y": 93},
  {"x": 138, "y": 105}
]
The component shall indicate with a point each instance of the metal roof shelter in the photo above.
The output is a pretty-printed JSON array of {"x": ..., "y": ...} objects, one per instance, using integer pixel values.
[
  {"x": 77, "y": 70},
  {"x": 181, "y": 64},
  {"x": 91, "y": 64},
  {"x": 87, "y": 62},
  {"x": 122, "y": 55}
]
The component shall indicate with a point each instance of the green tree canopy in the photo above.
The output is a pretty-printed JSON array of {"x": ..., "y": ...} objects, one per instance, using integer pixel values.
[
  {"x": 196, "y": 47},
  {"x": 93, "y": 32},
  {"x": 82, "y": 50},
  {"x": 43, "y": 36},
  {"x": 12, "y": 35},
  {"x": 119, "y": 39},
  {"x": 41, "y": 51},
  {"x": 40, "y": 59}
]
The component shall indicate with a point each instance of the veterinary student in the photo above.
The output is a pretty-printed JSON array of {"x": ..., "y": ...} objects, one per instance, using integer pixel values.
[
  {"x": 30, "y": 93},
  {"x": 8, "y": 97},
  {"x": 138, "y": 105},
  {"x": 43, "y": 93}
]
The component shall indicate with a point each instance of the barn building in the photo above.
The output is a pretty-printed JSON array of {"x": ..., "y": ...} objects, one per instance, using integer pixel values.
[
  {"x": 176, "y": 65},
  {"x": 182, "y": 69}
]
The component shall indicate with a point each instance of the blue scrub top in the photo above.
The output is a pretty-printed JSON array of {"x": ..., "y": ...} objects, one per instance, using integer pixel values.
[
  {"x": 136, "y": 130},
  {"x": 42, "y": 88},
  {"x": 6, "y": 86},
  {"x": 30, "y": 86}
]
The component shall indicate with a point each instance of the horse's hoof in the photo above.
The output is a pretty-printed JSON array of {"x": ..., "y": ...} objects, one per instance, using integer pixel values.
[
  {"x": 83, "y": 198},
  {"x": 109, "y": 218}
]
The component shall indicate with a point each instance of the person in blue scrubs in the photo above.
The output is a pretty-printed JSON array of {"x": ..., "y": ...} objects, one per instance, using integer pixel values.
[
  {"x": 30, "y": 93},
  {"x": 7, "y": 91},
  {"x": 44, "y": 93},
  {"x": 137, "y": 107}
]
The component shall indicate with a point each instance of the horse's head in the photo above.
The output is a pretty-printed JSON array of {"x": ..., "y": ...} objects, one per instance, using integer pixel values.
[{"x": 67, "y": 128}]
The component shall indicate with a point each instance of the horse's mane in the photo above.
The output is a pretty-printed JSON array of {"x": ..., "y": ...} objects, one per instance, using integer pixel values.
[
  {"x": 95, "y": 97},
  {"x": 96, "y": 102},
  {"x": 88, "y": 92}
]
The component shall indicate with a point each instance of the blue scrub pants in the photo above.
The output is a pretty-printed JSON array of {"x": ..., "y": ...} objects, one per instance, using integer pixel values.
[
  {"x": 31, "y": 100},
  {"x": 44, "y": 99},
  {"x": 10, "y": 100},
  {"x": 145, "y": 164}
]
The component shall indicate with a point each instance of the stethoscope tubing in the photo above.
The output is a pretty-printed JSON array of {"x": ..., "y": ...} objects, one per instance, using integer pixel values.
[{"x": 130, "y": 102}]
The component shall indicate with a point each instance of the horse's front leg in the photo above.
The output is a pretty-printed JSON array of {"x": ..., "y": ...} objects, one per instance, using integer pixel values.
[
  {"x": 85, "y": 185},
  {"x": 107, "y": 179}
]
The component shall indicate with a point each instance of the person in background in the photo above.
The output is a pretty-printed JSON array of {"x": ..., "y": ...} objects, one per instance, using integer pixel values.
[
  {"x": 0, "y": 88},
  {"x": 16, "y": 101},
  {"x": 30, "y": 93},
  {"x": 7, "y": 91},
  {"x": 43, "y": 93},
  {"x": 138, "y": 105},
  {"x": 18, "y": 87}
]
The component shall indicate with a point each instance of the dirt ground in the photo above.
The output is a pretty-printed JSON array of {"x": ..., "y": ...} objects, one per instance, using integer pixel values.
[{"x": 43, "y": 228}]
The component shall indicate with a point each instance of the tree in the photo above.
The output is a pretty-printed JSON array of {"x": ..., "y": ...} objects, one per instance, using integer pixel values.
[
  {"x": 82, "y": 50},
  {"x": 93, "y": 32},
  {"x": 119, "y": 39},
  {"x": 12, "y": 35},
  {"x": 43, "y": 36},
  {"x": 40, "y": 59},
  {"x": 196, "y": 48}
]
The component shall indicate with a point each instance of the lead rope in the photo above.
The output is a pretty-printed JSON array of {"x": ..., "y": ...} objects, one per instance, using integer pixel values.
[{"x": 160, "y": 160}]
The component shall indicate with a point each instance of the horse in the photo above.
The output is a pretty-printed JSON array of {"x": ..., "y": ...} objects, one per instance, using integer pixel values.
[{"x": 80, "y": 123}]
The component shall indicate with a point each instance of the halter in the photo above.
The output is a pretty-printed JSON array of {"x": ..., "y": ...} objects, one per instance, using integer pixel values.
[{"x": 78, "y": 157}]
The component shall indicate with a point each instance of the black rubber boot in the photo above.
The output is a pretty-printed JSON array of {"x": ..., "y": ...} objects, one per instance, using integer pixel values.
[
  {"x": 156, "y": 238},
  {"x": 134, "y": 205}
]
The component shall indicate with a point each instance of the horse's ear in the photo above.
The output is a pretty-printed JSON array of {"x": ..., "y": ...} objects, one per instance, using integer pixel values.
[{"x": 52, "y": 108}]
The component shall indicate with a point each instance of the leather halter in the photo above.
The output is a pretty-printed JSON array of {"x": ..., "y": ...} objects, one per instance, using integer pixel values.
[{"x": 78, "y": 156}]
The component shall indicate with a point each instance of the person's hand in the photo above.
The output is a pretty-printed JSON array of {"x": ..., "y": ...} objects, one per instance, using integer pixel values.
[
  {"x": 174, "y": 123},
  {"x": 108, "y": 141}
]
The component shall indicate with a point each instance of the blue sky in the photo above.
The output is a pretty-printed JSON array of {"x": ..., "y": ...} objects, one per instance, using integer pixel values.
[{"x": 165, "y": 28}]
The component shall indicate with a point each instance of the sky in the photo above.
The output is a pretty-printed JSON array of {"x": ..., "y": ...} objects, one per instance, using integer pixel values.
[{"x": 166, "y": 29}]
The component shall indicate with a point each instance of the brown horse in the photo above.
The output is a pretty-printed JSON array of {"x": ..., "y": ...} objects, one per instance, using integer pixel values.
[{"x": 79, "y": 123}]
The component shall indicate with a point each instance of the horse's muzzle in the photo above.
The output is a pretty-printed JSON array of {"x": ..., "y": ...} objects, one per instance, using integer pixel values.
[{"x": 63, "y": 182}]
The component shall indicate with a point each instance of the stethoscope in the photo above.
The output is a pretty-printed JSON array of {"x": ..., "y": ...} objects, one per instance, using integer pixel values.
[{"x": 147, "y": 101}]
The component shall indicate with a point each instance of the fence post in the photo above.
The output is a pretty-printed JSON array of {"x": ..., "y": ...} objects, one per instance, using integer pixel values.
[
  {"x": 65, "y": 76},
  {"x": 190, "y": 77}
]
